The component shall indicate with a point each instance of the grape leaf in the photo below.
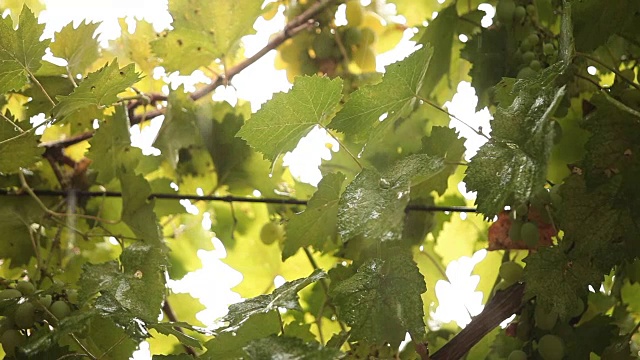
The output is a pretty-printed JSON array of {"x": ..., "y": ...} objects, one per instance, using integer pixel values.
[
  {"x": 228, "y": 345},
  {"x": 204, "y": 30},
  {"x": 111, "y": 147},
  {"x": 98, "y": 90},
  {"x": 179, "y": 129},
  {"x": 43, "y": 341},
  {"x": 394, "y": 95},
  {"x": 286, "y": 296},
  {"x": 137, "y": 210},
  {"x": 280, "y": 124},
  {"x": 558, "y": 280},
  {"x": 16, "y": 216},
  {"x": 369, "y": 301},
  {"x": 76, "y": 45},
  {"x": 21, "y": 50},
  {"x": 170, "y": 329},
  {"x": 21, "y": 144},
  {"x": 589, "y": 12},
  {"x": 135, "y": 291},
  {"x": 416, "y": 12},
  {"x": 440, "y": 34},
  {"x": 513, "y": 164},
  {"x": 373, "y": 204},
  {"x": 135, "y": 47},
  {"x": 442, "y": 142},
  {"x": 284, "y": 347},
  {"x": 602, "y": 230},
  {"x": 318, "y": 222}
]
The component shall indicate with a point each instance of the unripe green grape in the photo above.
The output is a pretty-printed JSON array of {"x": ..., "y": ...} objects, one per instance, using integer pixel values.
[
  {"x": 323, "y": 45},
  {"x": 24, "y": 315},
  {"x": 551, "y": 347},
  {"x": 522, "y": 209},
  {"x": 525, "y": 45},
  {"x": 535, "y": 65},
  {"x": 530, "y": 234},
  {"x": 548, "y": 49},
  {"x": 271, "y": 232},
  {"x": 519, "y": 13},
  {"x": 511, "y": 272},
  {"x": 514, "y": 230},
  {"x": 545, "y": 320},
  {"x": 517, "y": 355},
  {"x": 369, "y": 37},
  {"x": 352, "y": 36},
  {"x": 531, "y": 10},
  {"x": 533, "y": 39},
  {"x": 354, "y": 12},
  {"x": 60, "y": 309},
  {"x": 528, "y": 56},
  {"x": 10, "y": 294},
  {"x": 45, "y": 300},
  {"x": 10, "y": 340},
  {"x": 25, "y": 287},
  {"x": 505, "y": 10},
  {"x": 526, "y": 73}
]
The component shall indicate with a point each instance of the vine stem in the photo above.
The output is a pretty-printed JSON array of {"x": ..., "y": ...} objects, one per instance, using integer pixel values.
[
  {"x": 604, "y": 65},
  {"x": 342, "y": 146},
  {"x": 35, "y": 80},
  {"x": 429, "y": 102}
]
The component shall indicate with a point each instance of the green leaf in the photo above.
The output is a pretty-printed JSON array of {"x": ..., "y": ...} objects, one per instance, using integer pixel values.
[
  {"x": 558, "y": 280},
  {"x": 179, "y": 129},
  {"x": 16, "y": 217},
  {"x": 369, "y": 301},
  {"x": 416, "y": 12},
  {"x": 373, "y": 204},
  {"x": 443, "y": 142},
  {"x": 111, "y": 148},
  {"x": 76, "y": 45},
  {"x": 394, "y": 95},
  {"x": 228, "y": 345},
  {"x": 513, "y": 164},
  {"x": 135, "y": 291},
  {"x": 21, "y": 50},
  {"x": 206, "y": 31},
  {"x": 283, "y": 347},
  {"x": 22, "y": 145},
  {"x": 98, "y": 90},
  {"x": 286, "y": 296},
  {"x": 280, "y": 124},
  {"x": 317, "y": 224},
  {"x": 42, "y": 341},
  {"x": 170, "y": 329},
  {"x": 589, "y": 12},
  {"x": 137, "y": 209},
  {"x": 439, "y": 34}
]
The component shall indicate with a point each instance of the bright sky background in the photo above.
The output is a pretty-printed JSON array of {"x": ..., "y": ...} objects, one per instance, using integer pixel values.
[{"x": 458, "y": 298}]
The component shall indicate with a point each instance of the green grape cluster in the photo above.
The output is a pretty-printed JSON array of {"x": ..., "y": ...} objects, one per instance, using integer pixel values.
[
  {"x": 551, "y": 347},
  {"x": 526, "y": 216},
  {"x": 24, "y": 311},
  {"x": 535, "y": 47},
  {"x": 332, "y": 50}
]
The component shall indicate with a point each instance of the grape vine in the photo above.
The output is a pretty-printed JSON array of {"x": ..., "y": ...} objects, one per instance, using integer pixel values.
[{"x": 93, "y": 229}]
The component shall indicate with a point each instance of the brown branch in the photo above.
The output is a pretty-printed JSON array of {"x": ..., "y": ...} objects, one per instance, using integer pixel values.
[
  {"x": 300, "y": 23},
  {"x": 171, "y": 315},
  {"x": 504, "y": 304}
]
